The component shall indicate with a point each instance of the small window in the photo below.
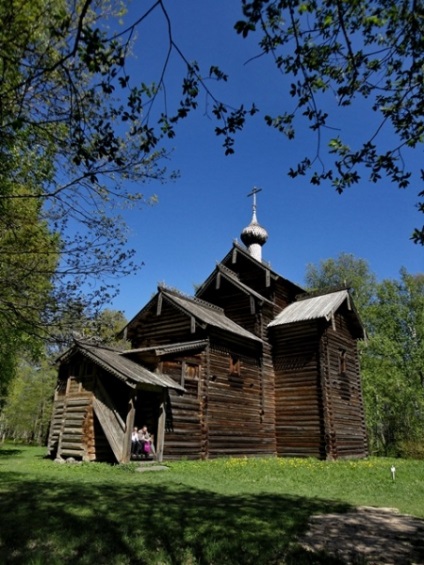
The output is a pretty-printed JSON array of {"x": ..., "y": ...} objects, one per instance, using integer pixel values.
[
  {"x": 190, "y": 377},
  {"x": 235, "y": 365},
  {"x": 342, "y": 361}
]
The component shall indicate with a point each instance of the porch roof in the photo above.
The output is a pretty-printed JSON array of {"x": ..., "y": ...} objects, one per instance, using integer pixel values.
[{"x": 132, "y": 373}]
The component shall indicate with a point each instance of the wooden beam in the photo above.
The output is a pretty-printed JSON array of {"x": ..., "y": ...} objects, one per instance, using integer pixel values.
[
  {"x": 129, "y": 424},
  {"x": 159, "y": 305},
  {"x": 268, "y": 277},
  {"x": 160, "y": 440},
  {"x": 252, "y": 305}
]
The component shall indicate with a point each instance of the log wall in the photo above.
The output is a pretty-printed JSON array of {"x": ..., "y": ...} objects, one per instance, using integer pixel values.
[
  {"x": 299, "y": 418},
  {"x": 73, "y": 440},
  {"x": 252, "y": 314},
  {"x": 237, "y": 305},
  {"x": 169, "y": 326},
  {"x": 344, "y": 402},
  {"x": 235, "y": 421},
  {"x": 75, "y": 429},
  {"x": 227, "y": 408},
  {"x": 251, "y": 274},
  {"x": 183, "y": 433}
]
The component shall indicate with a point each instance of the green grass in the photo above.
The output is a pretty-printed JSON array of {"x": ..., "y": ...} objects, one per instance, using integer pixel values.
[{"x": 215, "y": 512}]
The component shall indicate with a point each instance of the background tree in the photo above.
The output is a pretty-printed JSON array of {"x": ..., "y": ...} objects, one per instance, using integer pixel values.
[
  {"x": 101, "y": 327},
  {"x": 393, "y": 366},
  {"x": 28, "y": 256},
  {"x": 78, "y": 136},
  {"x": 336, "y": 53},
  {"x": 28, "y": 409}
]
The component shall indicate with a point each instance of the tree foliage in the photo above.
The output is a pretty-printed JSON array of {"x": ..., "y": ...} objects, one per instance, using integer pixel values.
[
  {"x": 78, "y": 135},
  {"x": 28, "y": 409},
  {"x": 392, "y": 356},
  {"x": 393, "y": 365},
  {"x": 100, "y": 327},
  {"x": 75, "y": 138},
  {"x": 337, "y": 52},
  {"x": 64, "y": 142}
]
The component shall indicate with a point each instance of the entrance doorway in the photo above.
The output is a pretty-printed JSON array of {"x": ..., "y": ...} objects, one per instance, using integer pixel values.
[{"x": 147, "y": 411}]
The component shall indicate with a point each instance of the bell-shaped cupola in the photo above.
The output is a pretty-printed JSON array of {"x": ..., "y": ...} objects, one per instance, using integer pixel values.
[{"x": 254, "y": 236}]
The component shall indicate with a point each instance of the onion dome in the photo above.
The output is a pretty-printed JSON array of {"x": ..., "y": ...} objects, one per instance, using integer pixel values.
[{"x": 254, "y": 236}]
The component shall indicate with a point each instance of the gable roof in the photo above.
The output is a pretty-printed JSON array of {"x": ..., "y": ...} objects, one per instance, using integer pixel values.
[
  {"x": 263, "y": 265},
  {"x": 315, "y": 307},
  {"x": 119, "y": 366},
  {"x": 232, "y": 277},
  {"x": 206, "y": 313}
]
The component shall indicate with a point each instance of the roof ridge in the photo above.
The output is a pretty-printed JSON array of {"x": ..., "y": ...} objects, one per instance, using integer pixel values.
[
  {"x": 95, "y": 342},
  {"x": 194, "y": 299},
  {"x": 225, "y": 269},
  {"x": 322, "y": 292}
]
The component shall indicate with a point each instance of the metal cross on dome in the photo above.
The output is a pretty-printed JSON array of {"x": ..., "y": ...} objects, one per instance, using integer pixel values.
[{"x": 253, "y": 193}]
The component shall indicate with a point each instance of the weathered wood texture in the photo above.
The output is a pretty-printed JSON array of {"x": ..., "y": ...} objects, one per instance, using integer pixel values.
[
  {"x": 319, "y": 406},
  {"x": 299, "y": 418},
  {"x": 169, "y": 326},
  {"x": 343, "y": 393},
  {"x": 55, "y": 426},
  {"x": 254, "y": 275},
  {"x": 260, "y": 278},
  {"x": 222, "y": 411},
  {"x": 235, "y": 407},
  {"x": 183, "y": 431},
  {"x": 86, "y": 422},
  {"x": 254, "y": 314},
  {"x": 73, "y": 439},
  {"x": 238, "y": 306},
  {"x": 111, "y": 422}
]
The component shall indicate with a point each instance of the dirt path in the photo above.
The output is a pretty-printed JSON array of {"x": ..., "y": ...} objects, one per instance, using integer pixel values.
[{"x": 373, "y": 536}]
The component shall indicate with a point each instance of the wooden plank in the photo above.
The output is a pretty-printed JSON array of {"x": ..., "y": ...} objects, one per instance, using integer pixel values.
[
  {"x": 129, "y": 425},
  {"x": 111, "y": 428}
]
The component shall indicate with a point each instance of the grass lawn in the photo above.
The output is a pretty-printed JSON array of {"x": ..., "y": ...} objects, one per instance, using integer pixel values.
[{"x": 212, "y": 512}]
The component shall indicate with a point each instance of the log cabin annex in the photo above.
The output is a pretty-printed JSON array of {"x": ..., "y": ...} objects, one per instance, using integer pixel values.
[{"x": 251, "y": 365}]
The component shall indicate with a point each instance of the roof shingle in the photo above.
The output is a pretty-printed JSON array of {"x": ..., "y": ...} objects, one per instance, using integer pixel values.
[{"x": 311, "y": 308}]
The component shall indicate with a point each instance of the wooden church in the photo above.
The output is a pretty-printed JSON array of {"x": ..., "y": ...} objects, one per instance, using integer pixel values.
[{"x": 251, "y": 365}]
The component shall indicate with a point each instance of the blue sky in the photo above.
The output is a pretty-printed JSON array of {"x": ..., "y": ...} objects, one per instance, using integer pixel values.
[{"x": 200, "y": 214}]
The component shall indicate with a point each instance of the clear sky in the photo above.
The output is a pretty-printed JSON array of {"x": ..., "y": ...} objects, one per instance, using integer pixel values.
[{"x": 200, "y": 214}]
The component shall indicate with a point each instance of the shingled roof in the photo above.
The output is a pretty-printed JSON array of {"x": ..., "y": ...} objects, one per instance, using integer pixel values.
[
  {"x": 315, "y": 307},
  {"x": 115, "y": 363},
  {"x": 206, "y": 313}
]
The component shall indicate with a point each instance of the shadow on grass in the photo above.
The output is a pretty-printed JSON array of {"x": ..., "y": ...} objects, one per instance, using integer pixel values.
[
  {"x": 86, "y": 523},
  {"x": 9, "y": 451}
]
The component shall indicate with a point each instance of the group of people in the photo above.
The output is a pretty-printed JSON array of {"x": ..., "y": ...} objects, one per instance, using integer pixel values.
[{"x": 142, "y": 443}]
